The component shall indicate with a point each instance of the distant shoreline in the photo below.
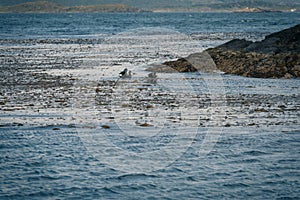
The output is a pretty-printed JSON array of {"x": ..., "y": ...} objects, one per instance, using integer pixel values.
[
  {"x": 51, "y": 7},
  {"x": 219, "y": 11},
  {"x": 153, "y": 11}
]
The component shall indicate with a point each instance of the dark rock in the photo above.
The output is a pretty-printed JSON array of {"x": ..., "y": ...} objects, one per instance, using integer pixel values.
[
  {"x": 227, "y": 125},
  {"x": 145, "y": 125},
  {"x": 105, "y": 126},
  {"x": 235, "y": 45},
  {"x": 201, "y": 62},
  {"x": 181, "y": 65},
  {"x": 277, "y": 56}
]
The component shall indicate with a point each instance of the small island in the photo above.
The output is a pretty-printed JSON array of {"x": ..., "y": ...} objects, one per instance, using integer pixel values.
[{"x": 50, "y": 7}]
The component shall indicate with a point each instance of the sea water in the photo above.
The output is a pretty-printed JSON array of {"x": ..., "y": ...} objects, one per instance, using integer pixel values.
[
  {"x": 256, "y": 158},
  {"x": 95, "y": 25}
]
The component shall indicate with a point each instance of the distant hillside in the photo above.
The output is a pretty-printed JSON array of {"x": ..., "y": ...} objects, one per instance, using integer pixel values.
[
  {"x": 51, "y": 7},
  {"x": 184, "y": 5},
  {"x": 41, "y": 6}
]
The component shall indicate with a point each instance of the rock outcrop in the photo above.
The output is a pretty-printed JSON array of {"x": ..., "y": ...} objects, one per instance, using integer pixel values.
[
  {"x": 277, "y": 56},
  {"x": 201, "y": 62}
]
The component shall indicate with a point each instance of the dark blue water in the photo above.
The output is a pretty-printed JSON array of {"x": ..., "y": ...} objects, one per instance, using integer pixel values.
[
  {"x": 39, "y": 163},
  {"x": 95, "y": 25},
  {"x": 52, "y": 162}
]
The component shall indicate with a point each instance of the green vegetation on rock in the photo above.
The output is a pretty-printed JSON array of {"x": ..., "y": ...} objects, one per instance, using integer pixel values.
[{"x": 50, "y": 7}]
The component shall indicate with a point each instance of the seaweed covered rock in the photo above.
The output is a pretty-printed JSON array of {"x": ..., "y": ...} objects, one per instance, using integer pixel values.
[
  {"x": 197, "y": 62},
  {"x": 181, "y": 65},
  {"x": 277, "y": 56}
]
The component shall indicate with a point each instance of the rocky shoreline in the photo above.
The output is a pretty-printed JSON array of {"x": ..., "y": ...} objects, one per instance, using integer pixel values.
[{"x": 277, "y": 56}]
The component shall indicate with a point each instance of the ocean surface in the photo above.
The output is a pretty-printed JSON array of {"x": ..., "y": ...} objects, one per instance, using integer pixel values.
[
  {"x": 190, "y": 136},
  {"x": 89, "y": 25}
]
